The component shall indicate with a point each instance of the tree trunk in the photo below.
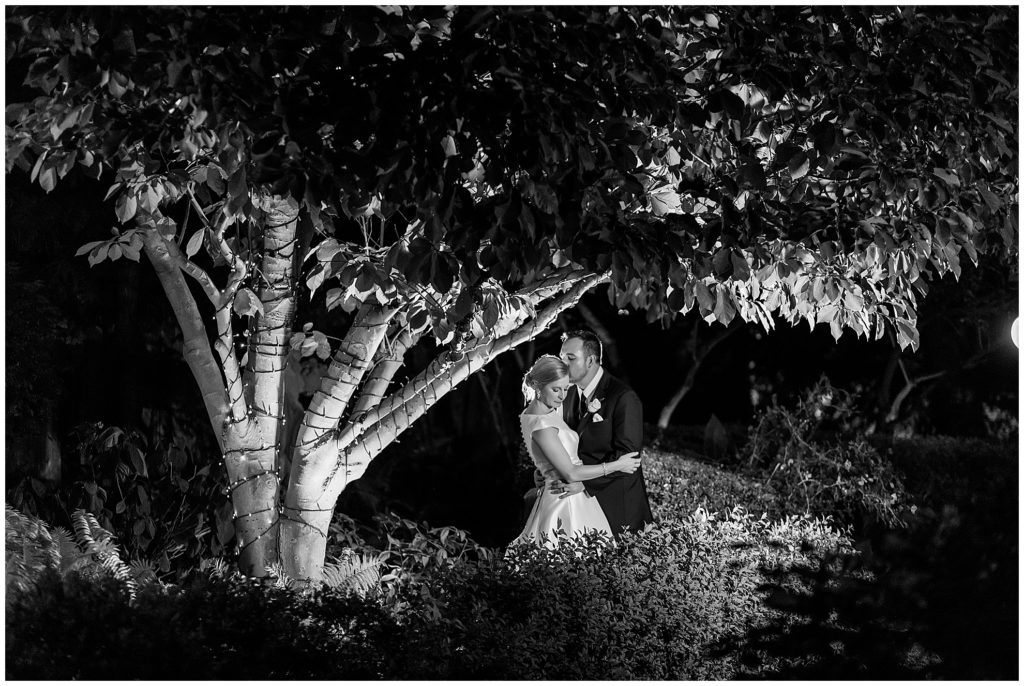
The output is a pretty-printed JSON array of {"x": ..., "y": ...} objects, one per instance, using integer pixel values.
[{"x": 252, "y": 460}]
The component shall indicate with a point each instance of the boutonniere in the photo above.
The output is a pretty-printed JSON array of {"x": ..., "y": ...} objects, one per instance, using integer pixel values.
[
  {"x": 593, "y": 406},
  {"x": 597, "y": 418}
]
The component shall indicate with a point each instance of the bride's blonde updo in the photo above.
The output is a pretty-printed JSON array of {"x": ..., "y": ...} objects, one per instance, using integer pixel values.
[{"x": 546, "y": 369}]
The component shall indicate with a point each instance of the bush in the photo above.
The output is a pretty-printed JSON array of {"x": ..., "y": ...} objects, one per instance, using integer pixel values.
[
  {"x": 813, "y": 468},
  {"x": 212, "y": 628},
  {"x": 678, "y": 485},
  {"x": 651, "y": 608}
]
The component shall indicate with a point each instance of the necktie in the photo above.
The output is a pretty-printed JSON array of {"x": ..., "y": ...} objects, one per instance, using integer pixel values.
[{"x": 581, "y": 411}]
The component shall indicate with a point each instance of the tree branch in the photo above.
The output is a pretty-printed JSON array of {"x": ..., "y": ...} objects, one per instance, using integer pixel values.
[
  {"x": 386, "y": 364},
  {"x": 167, "y": 261},
  {"x": 346, "y": 371},
  {"x": 221, "y": 300},
  {"x": 894, "y": 410}
]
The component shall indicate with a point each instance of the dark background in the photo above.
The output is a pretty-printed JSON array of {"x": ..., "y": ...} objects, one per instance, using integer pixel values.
[{"x": 101, "y": 345}]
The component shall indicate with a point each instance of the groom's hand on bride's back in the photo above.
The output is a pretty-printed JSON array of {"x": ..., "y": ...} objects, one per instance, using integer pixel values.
[{"x": 564, "y": 490}]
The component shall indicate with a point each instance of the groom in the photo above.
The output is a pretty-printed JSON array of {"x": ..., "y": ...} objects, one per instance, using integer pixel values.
[{"x": 608, "y": 417}]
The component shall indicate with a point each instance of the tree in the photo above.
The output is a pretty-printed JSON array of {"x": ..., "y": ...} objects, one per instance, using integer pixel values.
[{"x": 457, "y": 177}]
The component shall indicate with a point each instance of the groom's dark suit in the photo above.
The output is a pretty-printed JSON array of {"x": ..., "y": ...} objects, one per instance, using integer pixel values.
[{"x": 623, "y": 497}]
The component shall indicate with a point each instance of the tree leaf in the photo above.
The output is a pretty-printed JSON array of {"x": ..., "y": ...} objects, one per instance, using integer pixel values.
[
  {"x": 38, "y": 165},
  {"x": 334, "y": 298},
  {"x": 665, "y": 201},
  {"x": 87, "y": 247},
  {"x": 948, "y": 177},
  {"x": 724, "y": 308},
  {"x": 799, "y": 165},
  {"x": 48, "y": 178},
  {"x": 246, "y": 303},
  {"x": 704, "y": 297},
  {"x": 139, "y": 462},
  {"x": 323, "y": 346},
  {"x": 99, "y": 253},
  {"x": 113, "y": 189},
  {"x": 195, "y": 242},
  {"x": 740, "y": 267},
  {"x": 125, "y": 207}
]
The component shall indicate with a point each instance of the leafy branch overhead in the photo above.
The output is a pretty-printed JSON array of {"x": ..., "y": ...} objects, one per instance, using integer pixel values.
[{"x": 810, "y": 164}]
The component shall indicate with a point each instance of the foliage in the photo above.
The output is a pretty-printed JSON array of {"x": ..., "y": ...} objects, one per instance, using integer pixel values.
[
  {"x": 813, "y": 470},
  {"x": 213, "y": 627},
  {"x": 415, "y": 553},
  {"x": 542, "y": 613},
  {"x": 156, "y": 492},
  {"x": 650, "y": 608},
  {"x": 705, "y": 166},
  {"x": 679, "y": 483},
  {"x": 359, "y": 573},
  {"x": 33, "y": 549}
]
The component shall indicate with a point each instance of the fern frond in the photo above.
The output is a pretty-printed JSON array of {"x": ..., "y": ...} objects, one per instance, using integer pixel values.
[
  {"x": 359, "y": 574},
  {"x": 275, "y": 570},
  {"x": 100, "y": 534},
  {"x": 215, "y": 567},
  {"x": 66, "y": 551},
  {"x": 143, "y": 572},
  {"x": 83, "y": 532}
]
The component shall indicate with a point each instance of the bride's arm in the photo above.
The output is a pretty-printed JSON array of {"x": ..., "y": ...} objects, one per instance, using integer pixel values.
[{"x": 547, "y": 440}]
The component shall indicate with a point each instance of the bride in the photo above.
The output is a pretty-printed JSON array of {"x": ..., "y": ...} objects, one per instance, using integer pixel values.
[{"x": 552, "y": 446}]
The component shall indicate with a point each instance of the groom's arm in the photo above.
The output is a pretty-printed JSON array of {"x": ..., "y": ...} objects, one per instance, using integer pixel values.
[
  {"x": 628, "y": 427},
  {"x": 627, "y": 419}
]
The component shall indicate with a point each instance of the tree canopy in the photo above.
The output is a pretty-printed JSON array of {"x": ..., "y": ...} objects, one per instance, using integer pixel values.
[{"x": 784, "y": 161}]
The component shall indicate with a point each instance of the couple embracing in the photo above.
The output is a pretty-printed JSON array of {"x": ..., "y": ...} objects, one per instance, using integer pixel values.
[{"x": 583, "y": 430}]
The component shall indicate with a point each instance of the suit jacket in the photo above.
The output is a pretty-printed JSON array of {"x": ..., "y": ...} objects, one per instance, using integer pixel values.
[{"x": 616, "y": 428}]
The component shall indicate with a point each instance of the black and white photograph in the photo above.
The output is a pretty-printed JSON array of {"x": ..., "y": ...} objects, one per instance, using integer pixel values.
[{"x": 512, "y": 343}]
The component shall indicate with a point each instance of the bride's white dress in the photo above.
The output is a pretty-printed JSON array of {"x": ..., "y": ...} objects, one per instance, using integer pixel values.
[{"x": 574, "y": 514}]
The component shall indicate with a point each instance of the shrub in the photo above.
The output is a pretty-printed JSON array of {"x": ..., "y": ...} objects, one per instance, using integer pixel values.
[
  {"x": 211, "y": 628},
  {"x": 813, "y": 468},
  {"x": 411, "y": 553},
  {"x": 651, "y": 608},
  {"x": 677, "y": 485}
]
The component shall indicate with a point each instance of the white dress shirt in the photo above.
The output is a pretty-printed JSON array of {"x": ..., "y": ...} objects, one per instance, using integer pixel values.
[{"x": 588, "y": 392}]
